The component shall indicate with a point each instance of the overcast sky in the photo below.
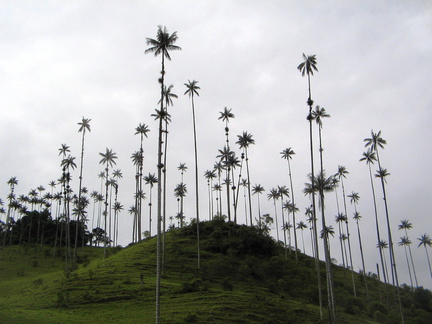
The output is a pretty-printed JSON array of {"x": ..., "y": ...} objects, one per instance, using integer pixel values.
[{"x": 61, "y": 61}]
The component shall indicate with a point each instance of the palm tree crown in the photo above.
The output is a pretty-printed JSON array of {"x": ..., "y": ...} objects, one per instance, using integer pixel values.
[{"x": 163, "y": 43}]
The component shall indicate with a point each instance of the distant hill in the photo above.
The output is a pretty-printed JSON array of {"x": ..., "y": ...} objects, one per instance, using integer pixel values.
[{"x": 244, "y": 278}]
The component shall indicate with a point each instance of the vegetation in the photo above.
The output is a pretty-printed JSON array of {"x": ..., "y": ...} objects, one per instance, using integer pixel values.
[{"x": 244, "y": 278}]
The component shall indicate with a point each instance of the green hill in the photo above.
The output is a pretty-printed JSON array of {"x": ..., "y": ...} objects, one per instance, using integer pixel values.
[{"x": 244, "y": 278}]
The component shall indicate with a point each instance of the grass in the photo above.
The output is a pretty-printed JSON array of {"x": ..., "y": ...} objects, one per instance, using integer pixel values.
[{"x": 244, "y": 278}]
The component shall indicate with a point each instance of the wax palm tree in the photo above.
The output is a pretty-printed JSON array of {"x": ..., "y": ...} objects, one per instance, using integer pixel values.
[
  {"x": 225, "y": 156},
  {"x": 287, "y": 155},
  {"x": 108, "y": 159},
  {"x": 339, "y": 219},
  {"x": 426, "y": 241},
  {"x": 210, "y": 175},
  {"x": 84, "y": 126},
  {"x": 376, "y": 142},
  {"x": 301, "y": 226},
  {"x": 141, "y": 130},
  {"x": 405, "y": 241},
  {"x": 244, "y": 141},
  {"x": 354, "y": 199},
  {"x": 322, "y": 184},
  {"x": 150, "y": 179},
  {"x": 341, "y": 174},
  {"x": 12, "y": 182},
  {"x": 258, "y": 190},
  {"x": 162, "y": 45},
  {"x": 370, "y": 157},
  {"x": 192, "y": 89},
  {"x": 180, "y": 192},
  {"x": 274, "y": 195},
  {"x": 225, "y": 116},
  {"x": 307, "y": 67},
  {"x": 382, "y": 245},
  {"x": 406, "y": 225}
]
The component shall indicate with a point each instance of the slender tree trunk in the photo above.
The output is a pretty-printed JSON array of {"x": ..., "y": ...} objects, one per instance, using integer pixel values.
[
  {"x": 317, "y": 267},
  {"x": 159, "y": 195},
  {"x": 349, "y": 239},
  {"x": 294, "y": 212},
  {"x": 196, "y": 183}
]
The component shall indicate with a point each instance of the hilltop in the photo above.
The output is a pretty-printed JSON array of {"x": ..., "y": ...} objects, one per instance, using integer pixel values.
[{"x": 245, "y": 277}]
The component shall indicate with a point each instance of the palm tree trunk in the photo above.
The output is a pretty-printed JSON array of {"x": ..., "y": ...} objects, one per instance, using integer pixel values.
[
  {"x": 293, "y": 202},
  {"x": 249, "y": 188},
  {"x": 196, "y": 184},
  {"x": 362, "y": 258},
  {"x": 159, "y": 208},
  {"x": 317, "y": 267}
]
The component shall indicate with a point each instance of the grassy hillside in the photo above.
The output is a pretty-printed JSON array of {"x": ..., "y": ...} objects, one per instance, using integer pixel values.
[{"x": 244, "y": 278}]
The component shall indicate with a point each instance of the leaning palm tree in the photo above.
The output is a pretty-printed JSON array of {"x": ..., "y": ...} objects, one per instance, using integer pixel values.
[
  {"x": 287, "y": 154},
  {"x": 426, "y": 241},
  {"x": 162, "y": 45},
  {"x": 406, "y": 225},
  {"x": 307, "y": 67},
  {"x": 108, "y": 159},
  {"x": 244, "y": 141}
]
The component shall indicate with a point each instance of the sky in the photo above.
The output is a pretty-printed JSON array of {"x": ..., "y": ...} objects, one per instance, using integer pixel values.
[{"x": 62, "y": 61}]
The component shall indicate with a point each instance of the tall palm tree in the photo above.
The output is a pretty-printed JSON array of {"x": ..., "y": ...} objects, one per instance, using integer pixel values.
[
  {"x": 162, "y": 45},
  {"x": 12, "y": 182},
  {"x": 426, "y": 241},
  {"x": 405, "y": 241},
  {"x": 370, "y": 157},
  {"x": 225, "y": 116},
  {"x": 244, "y": 141},
  {"x": 354, "y": 198},
  {"x": 341, "y": 174},
  {"x": 283, "y": 192},
  {"x": 301, "y": 226},
  {"x": 287, "y": 155},
  {"x": 210, "y": 175},
  {"x": 274, "y": 195},
  {"x": 258, "y": 190},
  {"x": 406, "y": 225},
  {"x": 322, "y": 184},
  {"x": 150, "y": 179},
  {"x": 307, "y": 67},
  {"x": 192, "y": 89},
  {"x": 108, "y": 159},
  {"x": 340, "y": 218},
  {"x": 141, "y": 130},
  {"x": 180, "y": 192},
  {"x": 376, "y": 142},
  {"x": 225, "y": 156},
  {"x": 84, "y": 126}
]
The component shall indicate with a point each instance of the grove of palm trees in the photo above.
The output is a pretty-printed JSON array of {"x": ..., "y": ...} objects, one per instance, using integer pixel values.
[{"x": 187, "y": 158}]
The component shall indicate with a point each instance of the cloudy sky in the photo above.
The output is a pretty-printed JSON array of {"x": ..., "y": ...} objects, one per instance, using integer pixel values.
[{"x": 61, "y": 61}]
